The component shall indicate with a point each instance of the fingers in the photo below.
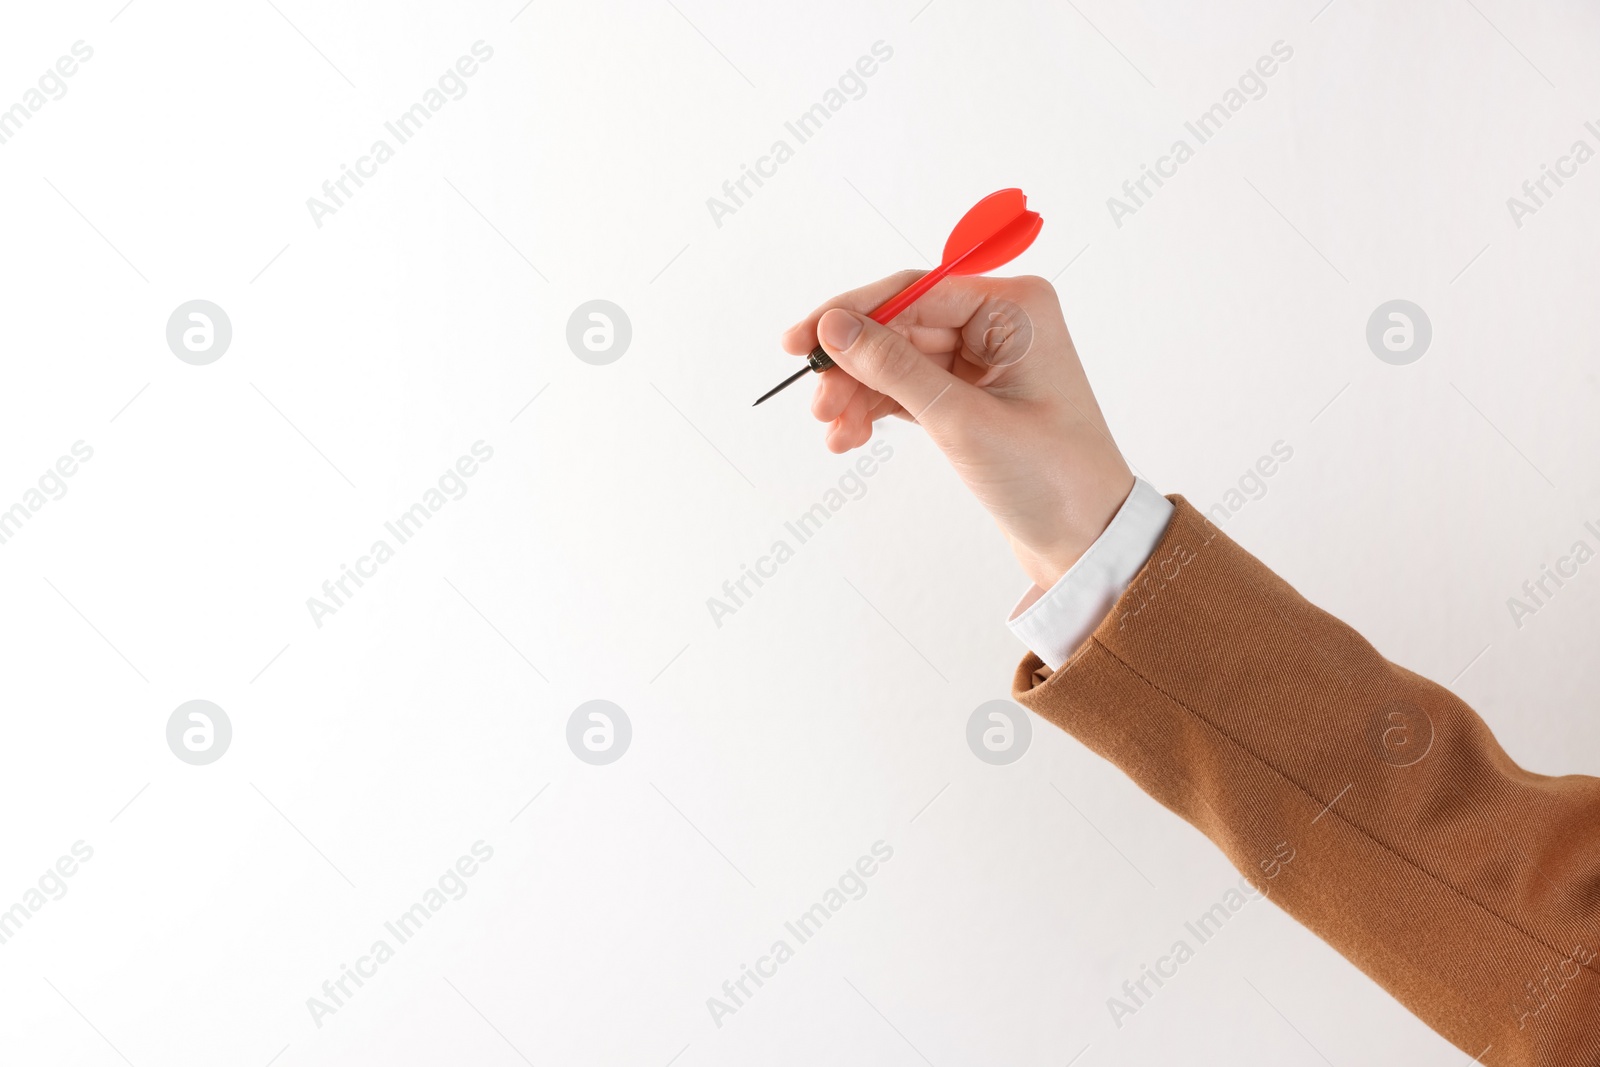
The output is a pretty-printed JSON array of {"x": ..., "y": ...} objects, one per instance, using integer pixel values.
[
  {"x": 884, "y": 406},
  {"x": 853, "y": 427},
  {"x": 802, "y": 336},
  {"x": 835, "y": 387},
  {"x": 886, "y": 362},
  {"x": 1000, "y": 335},
  {"x": 834, "y": 390},
  {"x": 930, "y": 366},
  {"x": 946, "y": 307}
]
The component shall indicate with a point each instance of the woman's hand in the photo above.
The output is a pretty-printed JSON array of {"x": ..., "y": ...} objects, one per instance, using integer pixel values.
[{"x": 987, "y": 368}]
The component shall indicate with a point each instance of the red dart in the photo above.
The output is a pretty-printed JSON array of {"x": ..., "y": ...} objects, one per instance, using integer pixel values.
[{"x": 998, "y": 229}]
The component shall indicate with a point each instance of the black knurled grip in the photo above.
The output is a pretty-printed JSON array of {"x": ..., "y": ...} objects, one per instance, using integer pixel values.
[{"x": 819, "y": 359}]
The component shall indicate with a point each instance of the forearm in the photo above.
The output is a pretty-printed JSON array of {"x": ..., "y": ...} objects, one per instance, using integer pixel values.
[{"x": 1466, "y": 886}]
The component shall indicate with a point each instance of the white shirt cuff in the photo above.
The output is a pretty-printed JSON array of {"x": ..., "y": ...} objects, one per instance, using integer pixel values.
[{"x": 1054, "y": 623}]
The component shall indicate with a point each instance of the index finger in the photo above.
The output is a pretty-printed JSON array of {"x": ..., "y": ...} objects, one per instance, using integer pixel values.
[{"x": 947, "y": 305}]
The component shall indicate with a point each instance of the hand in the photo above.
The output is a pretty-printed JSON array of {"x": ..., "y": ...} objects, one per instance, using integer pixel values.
[{"x": 987, "y": 368}]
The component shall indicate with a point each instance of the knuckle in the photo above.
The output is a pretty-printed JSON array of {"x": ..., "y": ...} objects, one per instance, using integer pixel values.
[
  {"x": 882, "y": 351},
  {"x": 1000, "y": 334},
  {"x": 1033, "y": 287}
]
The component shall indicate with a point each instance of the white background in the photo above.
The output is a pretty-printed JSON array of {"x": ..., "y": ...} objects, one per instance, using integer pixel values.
[{"x": 1227, "y": 314}]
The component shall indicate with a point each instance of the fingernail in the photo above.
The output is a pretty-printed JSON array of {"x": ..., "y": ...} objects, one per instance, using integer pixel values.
[{"x": 838, "y": 329}]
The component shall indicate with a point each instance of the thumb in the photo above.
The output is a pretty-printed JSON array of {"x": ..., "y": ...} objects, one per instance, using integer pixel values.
[{"x": 882, "y": 359}]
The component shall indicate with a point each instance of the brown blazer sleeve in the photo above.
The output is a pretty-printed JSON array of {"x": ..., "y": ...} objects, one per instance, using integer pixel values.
[{"x": 1466, "y": 886}]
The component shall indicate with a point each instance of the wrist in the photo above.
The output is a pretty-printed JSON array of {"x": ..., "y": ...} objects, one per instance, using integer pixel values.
[{"x": 1046, "y": 560}]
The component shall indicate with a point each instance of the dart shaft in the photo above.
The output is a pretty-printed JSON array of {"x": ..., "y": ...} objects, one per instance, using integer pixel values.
[
  {"x": 887, "y": 310},
  {"x": 781, "y": 386}
]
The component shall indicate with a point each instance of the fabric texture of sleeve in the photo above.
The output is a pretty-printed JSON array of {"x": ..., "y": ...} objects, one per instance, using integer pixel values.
[{"x": 1467, "y": 887}]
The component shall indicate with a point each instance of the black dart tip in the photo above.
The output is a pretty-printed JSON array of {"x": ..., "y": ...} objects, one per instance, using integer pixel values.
[
  {"x": 781, "y": 386},
  {"x": 817, "y": 360}
]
